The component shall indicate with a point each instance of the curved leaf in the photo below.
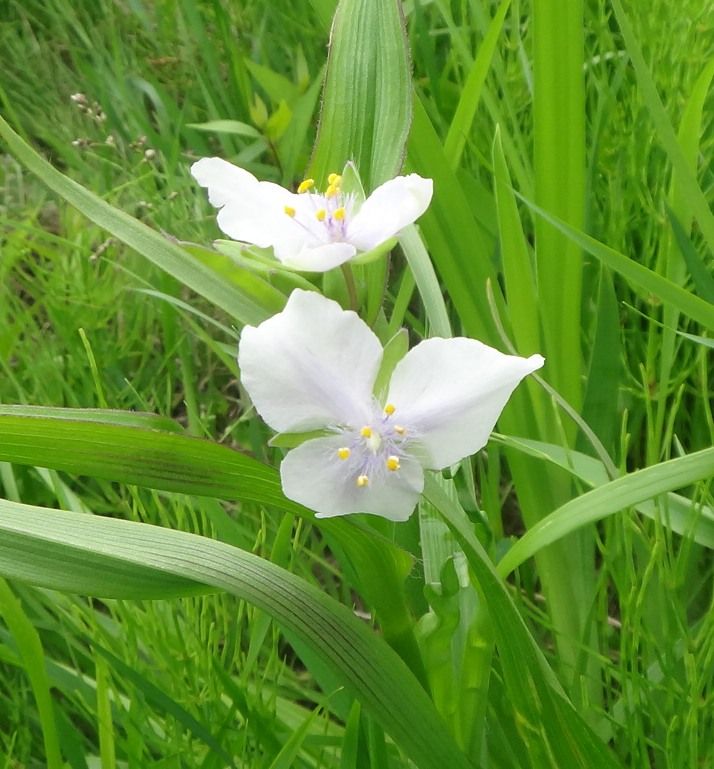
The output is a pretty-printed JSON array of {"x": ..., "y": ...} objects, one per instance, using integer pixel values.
[
  {"x": 106, "y": 557},
  {"x": 174, "y": 462},
  {"x": 617, "y": 495}
]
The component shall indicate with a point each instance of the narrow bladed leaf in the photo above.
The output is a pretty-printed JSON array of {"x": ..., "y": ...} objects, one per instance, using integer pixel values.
[{"x": 106, "y": 557}]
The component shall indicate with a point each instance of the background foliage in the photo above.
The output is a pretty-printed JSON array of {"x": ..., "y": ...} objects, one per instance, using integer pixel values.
[{"x": 570, "y": 146}]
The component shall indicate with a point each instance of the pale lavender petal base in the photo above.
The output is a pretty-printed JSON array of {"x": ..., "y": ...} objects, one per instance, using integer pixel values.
[{"x": 313, "y": 475}]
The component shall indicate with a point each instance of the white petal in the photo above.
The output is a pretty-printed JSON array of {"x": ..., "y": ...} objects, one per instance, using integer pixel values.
[
  {"x": 311, "y": 365},
  {"x": 390, "y": 208},
  {"x": 450, "y": 393},
  {"x": 313, "y": 475},
  {"x": 315, "y": 259},
  {"x": 251, "y": 211},
  {"x": 223, "y": 180}
]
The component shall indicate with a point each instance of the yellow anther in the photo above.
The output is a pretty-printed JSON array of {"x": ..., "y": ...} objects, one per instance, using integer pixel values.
[
  {"x": 343, "y": 453},
  {"x": 331, "y": 191},
  {"x": 399, "y": 429},
  {"x": 339, "y": 214},
  {"x": 393, "y": 463},
  {"x": 389, "y": 409},
  {"x": 305, "y": 185},
  {"x": 320, "y": 215},
  {"x": 289, "y": 210},
  {"x": 334, "y": 180},
  {"x": 362, "y": 480},
  {"x": 366, "y": 432}
]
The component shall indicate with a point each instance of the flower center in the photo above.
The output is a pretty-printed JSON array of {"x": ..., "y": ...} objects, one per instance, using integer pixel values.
[
  {"x": 376, "y": 450},
  {"x": 326, "y": 213}
]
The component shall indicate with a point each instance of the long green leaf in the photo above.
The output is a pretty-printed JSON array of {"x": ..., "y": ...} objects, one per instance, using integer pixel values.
[
  {"x": 101, "y": 557},
  {"x": 608, "y": 499},
  {"x": 111, "y": 450},
  {"x": 366, "y": 103},
  {"x": 155, "y": 247},
  {"x": 646, "y": 280}
]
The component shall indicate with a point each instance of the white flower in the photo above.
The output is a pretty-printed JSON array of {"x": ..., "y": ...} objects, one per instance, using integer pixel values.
[
  {"x": 313, "y": 367},
  {"x": 310, "y": 230}
]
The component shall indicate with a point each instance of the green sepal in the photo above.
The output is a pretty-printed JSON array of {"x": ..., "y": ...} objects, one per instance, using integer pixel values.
[
  {"x": 352, "y": 183},
  {"x": 375, "y": 253},
  {"x": 395, "y": 349},
  {"x": 291, "y": 440}
]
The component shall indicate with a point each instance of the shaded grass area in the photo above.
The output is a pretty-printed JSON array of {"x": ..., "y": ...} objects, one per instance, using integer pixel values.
[{"x": 156, "y": 683}]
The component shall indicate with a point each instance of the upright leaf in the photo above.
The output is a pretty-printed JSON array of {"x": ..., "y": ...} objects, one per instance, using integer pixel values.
[{"x": 366, "y": 103}]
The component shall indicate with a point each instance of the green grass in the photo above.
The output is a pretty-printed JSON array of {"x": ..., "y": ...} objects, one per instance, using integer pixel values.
[{"x": 622, "y": 612}]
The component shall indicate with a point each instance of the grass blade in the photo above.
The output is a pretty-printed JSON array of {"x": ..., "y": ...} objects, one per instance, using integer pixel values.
[
  {"x": 688, "y": 186},
  {"x": 33, "y": 659},
  {"x": 470, "y": 96},
  {"x": 559, "y": 162}
]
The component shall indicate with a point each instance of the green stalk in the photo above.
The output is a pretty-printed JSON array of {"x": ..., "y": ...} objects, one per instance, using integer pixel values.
[
  {"x": 559, "y": 149},
  {"x": 567, "y": 570}
]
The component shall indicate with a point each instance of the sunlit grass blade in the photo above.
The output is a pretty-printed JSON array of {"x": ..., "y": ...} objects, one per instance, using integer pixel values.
[
  {"x": 426, "y": 282},
  {"x": 101, "y": 557},
  {"x": 146, "y": 421},
  {"x": 31, "y": 653},
  {"x": 683, "y": 516}
]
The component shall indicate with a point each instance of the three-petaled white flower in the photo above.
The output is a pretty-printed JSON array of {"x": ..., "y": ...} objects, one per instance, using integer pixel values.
[
  {"x": 310, "y": 230},
  {"x": 313, "y": 366}
]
